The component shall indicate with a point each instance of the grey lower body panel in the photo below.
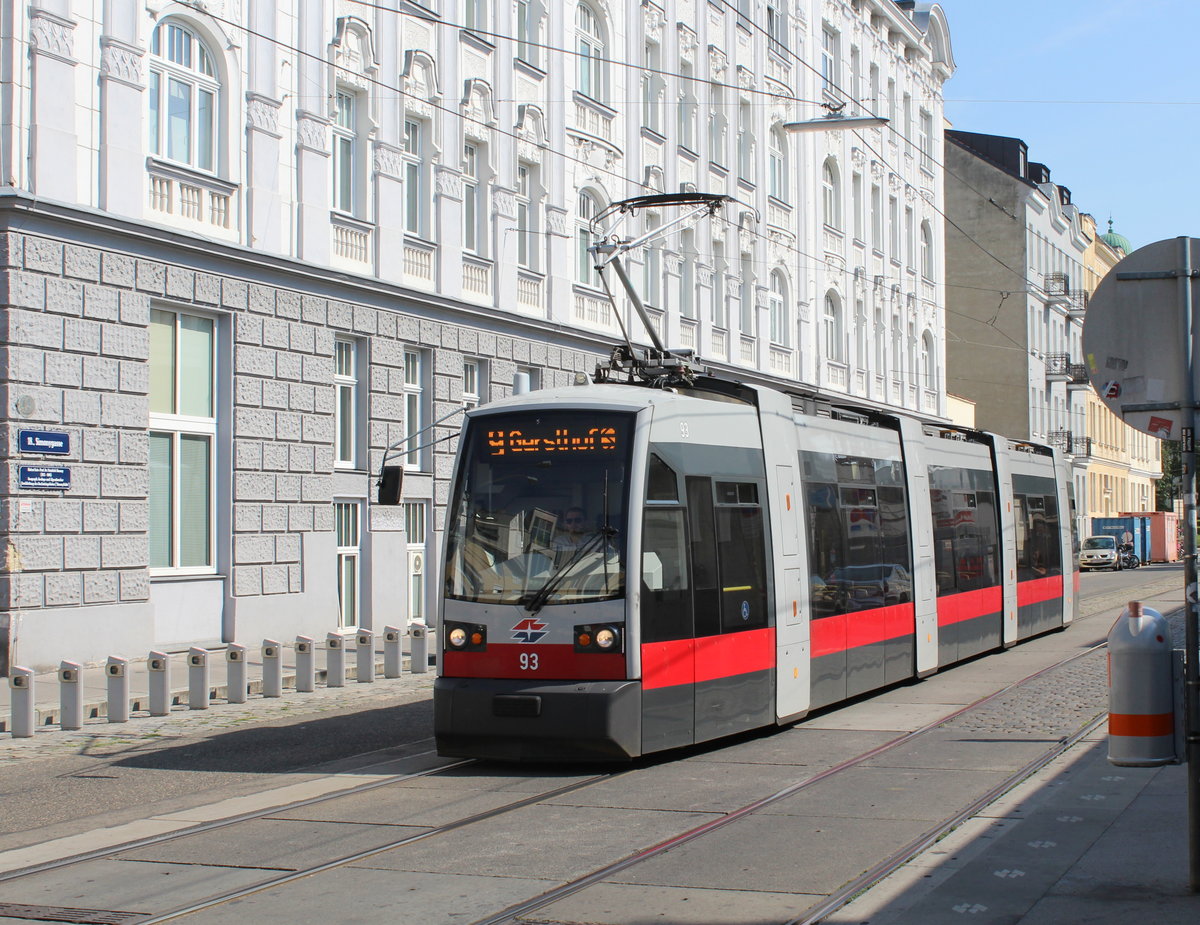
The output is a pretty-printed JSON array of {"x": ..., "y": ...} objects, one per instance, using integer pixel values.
[
  {"x": 1042, "y": 617},
  {"x": 511, "y": 720}
]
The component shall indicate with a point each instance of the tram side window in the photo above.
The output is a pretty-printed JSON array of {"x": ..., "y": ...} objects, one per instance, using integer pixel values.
[
  {"x": 661, "y": 483},
  {"x": 1039, "y": 553},
  {"x": 666, "y": 598},
  {"x": 859, "y": 546},
  {"x": 741, "y": 552},
  {"x": 965, "y": 529},
  {"x": 706, "y": 579}
]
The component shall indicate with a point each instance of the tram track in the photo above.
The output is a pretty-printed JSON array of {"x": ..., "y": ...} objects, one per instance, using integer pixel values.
[{"x": 516, "y": 912}]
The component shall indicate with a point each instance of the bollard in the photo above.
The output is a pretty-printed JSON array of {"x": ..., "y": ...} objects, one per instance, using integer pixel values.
[
  {"x": 235, "y": 673},
  {"x": 1141, "y": 690},
  {"x": 306, "y": 665},
  {"x": 197, "y": 678},
  {"x": 21, "y": 681},
  {"x": 272, "y": 659},
  {"x": 158, "y": 666},
  {"x": 335, "y": 661},
  {"x": 393, "y": 657},
  {"x": 70, "y": 695},
  {"x": 420, "y": 647},
  {"x": 364, "y": 656},
  {"x": 116, "y": 669}
]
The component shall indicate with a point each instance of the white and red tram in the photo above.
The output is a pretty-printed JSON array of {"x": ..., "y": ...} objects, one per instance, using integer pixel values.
[{"x": 746, "y": 556}]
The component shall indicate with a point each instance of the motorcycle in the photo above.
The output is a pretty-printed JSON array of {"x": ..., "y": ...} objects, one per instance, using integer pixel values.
[{"x": 1128, "y": 557}]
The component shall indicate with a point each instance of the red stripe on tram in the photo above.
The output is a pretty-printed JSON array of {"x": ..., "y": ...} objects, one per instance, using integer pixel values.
[
  {"x": 1038, "y": 590},
  {"x": 709, "y": 658},
  {"x": 969, "y": 605},
  {"x": 831, "y": 635}
]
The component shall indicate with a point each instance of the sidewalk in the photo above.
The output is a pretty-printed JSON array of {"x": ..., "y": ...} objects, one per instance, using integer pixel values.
[
  {"x": 94, "y": 680},
  {"x": 1081, "y": 841}
]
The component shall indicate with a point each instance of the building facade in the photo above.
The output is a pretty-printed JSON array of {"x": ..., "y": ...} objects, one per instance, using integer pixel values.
[
  {"x": 247, "y": 247},
  {"x": 1015, "y": 248}
]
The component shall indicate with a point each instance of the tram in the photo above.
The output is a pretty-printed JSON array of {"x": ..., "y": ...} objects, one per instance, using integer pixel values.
[
  {"x": 659, "y": 556},
  {"x": 631, "y": 568}
]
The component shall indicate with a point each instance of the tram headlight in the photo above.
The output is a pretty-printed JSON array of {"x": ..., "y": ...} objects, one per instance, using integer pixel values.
[
  {"x": 457, "y": 637},
  {"x": 606, "y": 638},
  {"x": 465, "y": 637}
]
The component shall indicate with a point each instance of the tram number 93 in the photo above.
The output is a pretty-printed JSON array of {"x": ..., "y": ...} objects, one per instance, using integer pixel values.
[{"x": 528, "y": 661}]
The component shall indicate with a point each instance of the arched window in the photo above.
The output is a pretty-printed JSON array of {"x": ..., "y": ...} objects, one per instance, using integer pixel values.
[
  {"x": 777, "y": 152},
  {"x": 781, "y": 321},
  {"x": 834, "y": 351},
  {"x": 928, "y": 373},
  {"x": 831, "y": 195},
  {"x": 184, "y": 95},
  {"x": 585, "y": 265},
  {"x": 589, "y": 35},
  {"x": 926, "y": 251}
]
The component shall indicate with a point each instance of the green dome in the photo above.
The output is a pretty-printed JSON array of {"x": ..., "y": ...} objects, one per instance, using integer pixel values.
[{"x": 1117, "y": 242}]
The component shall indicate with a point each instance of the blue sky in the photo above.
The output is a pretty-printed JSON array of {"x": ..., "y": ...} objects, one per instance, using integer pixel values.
[{"x": 1104, "y": 92}]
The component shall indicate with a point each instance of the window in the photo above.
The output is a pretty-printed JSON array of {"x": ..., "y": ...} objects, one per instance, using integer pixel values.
[
  {"x": 926, "y": 251},
  {"x": 776, "y": 26},
  {"x": 687, "y": 274},
  {"x": 414, "y": 408},
  {"x": 746, "y": 298},
  {"x": 527, "y": 251},
  {"x": 416, "y": 530},
  {"x": 876, "y": 218},
  {"x": 652, "y": 266},
  {"x": 855, "y": 91},
  {"x": 856, "y": 205},
  {"x": 531, "y": 376},
  {"x": 780, "y": 316},
  {"x": 345, "y": 153},
  {"x": 585, "y": 263},
  {"x": 590, "y": 45},
  {"x": 892, "y": 110},
  {"x": 830, "y": 60},
  {"x": 716, "y": 124},
  {"x": 653, "y": 89},
  {"x": 927, "y": 373},
  {"x": 894, "y": 228},
  {"x": 925, "y": 139},
  {"x": 831, "y": 195},
  {"x": 345, "y": 382},
  {"x": 687, "y": 109},
  {"x": 346, "y": 520},
  {"x": 860, "y": 334},
  {"x": 472, "y": 213},
  {"x": 184, "y": 95},
  {"x": 528, "y": 22},
  {"x": 745, "y": 143},
  {"x": 183, "y": 430},
  {"x": 416, "y": 208},
  {"x": 720, "y": 273},
  {"x": 910, "y": 242},
  {"x": 472, "y": 383},
  {"x": 833, "y": 329},
  {"x": 880, "y": 342},
  {"x": 777, "y": 181},
  {"x": 475, "y": 14}
]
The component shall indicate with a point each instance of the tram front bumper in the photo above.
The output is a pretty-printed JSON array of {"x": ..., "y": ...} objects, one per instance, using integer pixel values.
[{"x": 546, "y": 721}]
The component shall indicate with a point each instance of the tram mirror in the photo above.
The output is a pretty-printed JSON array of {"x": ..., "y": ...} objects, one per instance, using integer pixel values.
[
  {"x": 652, "y": 571},
  {"x": 390, "y": 482}
]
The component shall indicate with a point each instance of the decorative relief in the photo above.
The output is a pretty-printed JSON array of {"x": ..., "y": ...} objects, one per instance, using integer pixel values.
[
  {"x": 653, "y": 20},
  {"x": 687, "y": 44},
  {"x": 51, "y": 35},
  {"x": 705, "y": 275},
  {"x": 121, "y": 62},
  {"x": 745, "y": 77},
  {"x": 387, "y": 161},
  {"x": 654, "y": 178},
  {"x": 262, "y": 113},
  {"x": 448, "y": 182},
  {"x": 672, "y": 263},
  {"x": 312, "y": 132},
  {"x": 352, "y": 54},
  {"x": 858, "y": 157},
  {"x": 478, "y": 109},
  {"x": 718, "y": 61},
  {"x": 505, "y": 202},
  {"x": 556, "y": 221}
]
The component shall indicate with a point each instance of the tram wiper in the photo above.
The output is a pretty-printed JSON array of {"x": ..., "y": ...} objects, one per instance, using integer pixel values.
[{"x": 537, "y": 600}]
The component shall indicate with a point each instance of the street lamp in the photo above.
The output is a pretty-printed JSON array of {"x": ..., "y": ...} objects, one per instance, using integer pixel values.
[{"x": 835, "y": 121}]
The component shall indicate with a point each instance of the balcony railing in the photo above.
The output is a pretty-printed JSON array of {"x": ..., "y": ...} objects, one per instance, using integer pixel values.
[
  {"x": 1070, "y": 443},
  {"x": 1058, "y": 367},
  {"x": 1079, "y": 376}
]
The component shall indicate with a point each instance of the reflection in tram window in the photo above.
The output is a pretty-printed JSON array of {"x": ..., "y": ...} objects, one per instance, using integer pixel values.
[
  {"x": 965, "y": 529},
  {"x": 1035, "y": 504},
  {"x": 858, "y": 533}
]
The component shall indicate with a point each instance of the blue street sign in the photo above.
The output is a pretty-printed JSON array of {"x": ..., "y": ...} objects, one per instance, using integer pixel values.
[
  {"x": 48, "y": 478},
  {"x": 43, "y": 441}
]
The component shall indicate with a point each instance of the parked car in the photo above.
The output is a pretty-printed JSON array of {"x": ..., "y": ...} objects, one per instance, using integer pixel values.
[
  {"x": 873, "y": 585},
  {"x": 1099, "y": 552}
]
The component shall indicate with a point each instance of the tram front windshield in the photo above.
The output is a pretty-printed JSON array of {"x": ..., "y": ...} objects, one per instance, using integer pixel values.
[{"x": 538, "y": 513}]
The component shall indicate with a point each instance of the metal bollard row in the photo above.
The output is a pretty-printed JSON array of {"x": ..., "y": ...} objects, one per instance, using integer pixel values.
[{"x": 199, "y": 692}]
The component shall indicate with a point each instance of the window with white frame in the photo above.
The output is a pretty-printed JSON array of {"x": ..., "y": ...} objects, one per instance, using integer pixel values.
[
  {"x": 653, "y": 89},
  {"x": 831, "y": 195},
  {"x": 834, "y": 336},
  {"x": 416, "y": 183},
  {"x": 720, "y": 274},
  {"x": 856, "y": 204},
  {"x": 746, "y": 298},
  {"x": 345, "y": 154},
  {"x": 589, "y": 36},
  {"x": 910, "y": 239},
  {"x": 830, "y": 59},
  {"x": 415, "y": 528},
  {"x": 876, "y": 218},
  {"x": 717, "y": 124},
  {"x": 687, "y": 274},
  {"x": 777, "y": 185},
  {"x": 688, "y": 108},
  {"x": 925, "y": 139},
  {"x": 894, "y": 228},
  {"x": 347, "y": 524},
  {"x": 345, "y": 383},
  {"x": 471, "y": 205},
  {"x": 928, "y": 373},
  {"x": 529, "y": 17},
  {"x": 860, "y": 333},
  {"x": 532, "y": 375},
  {"x": 184, "y": 96},
  {"x": 585, "y": 264},
  {"x": 472, "y": 382},
  {"x": 652, "y": 266},
  {"x": 926, "y": 251},
  {"x": 893, "y": 102},
  {"x": 475, "y": 14},
  {"x": 880, "y": 337},
  {"x": 776, "y": 26},
  {"x": 781, "y": 320},
  {"x": 745, "y": 142},
  {"x": 527, "y": 226},
  {"x": 414, "y": 408},
  {"x": 855, "y": 91},
  {"x": 183, "y": 429}
]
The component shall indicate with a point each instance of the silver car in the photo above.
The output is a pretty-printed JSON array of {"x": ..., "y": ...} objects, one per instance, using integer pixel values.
[{"x": 1099, "y": 552}]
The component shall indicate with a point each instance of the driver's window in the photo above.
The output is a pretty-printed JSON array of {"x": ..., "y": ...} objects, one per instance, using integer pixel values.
[{"x": 666, "y": 597}]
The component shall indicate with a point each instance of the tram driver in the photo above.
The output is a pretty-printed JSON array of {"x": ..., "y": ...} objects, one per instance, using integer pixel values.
[{"x": 572, "y": 533}]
